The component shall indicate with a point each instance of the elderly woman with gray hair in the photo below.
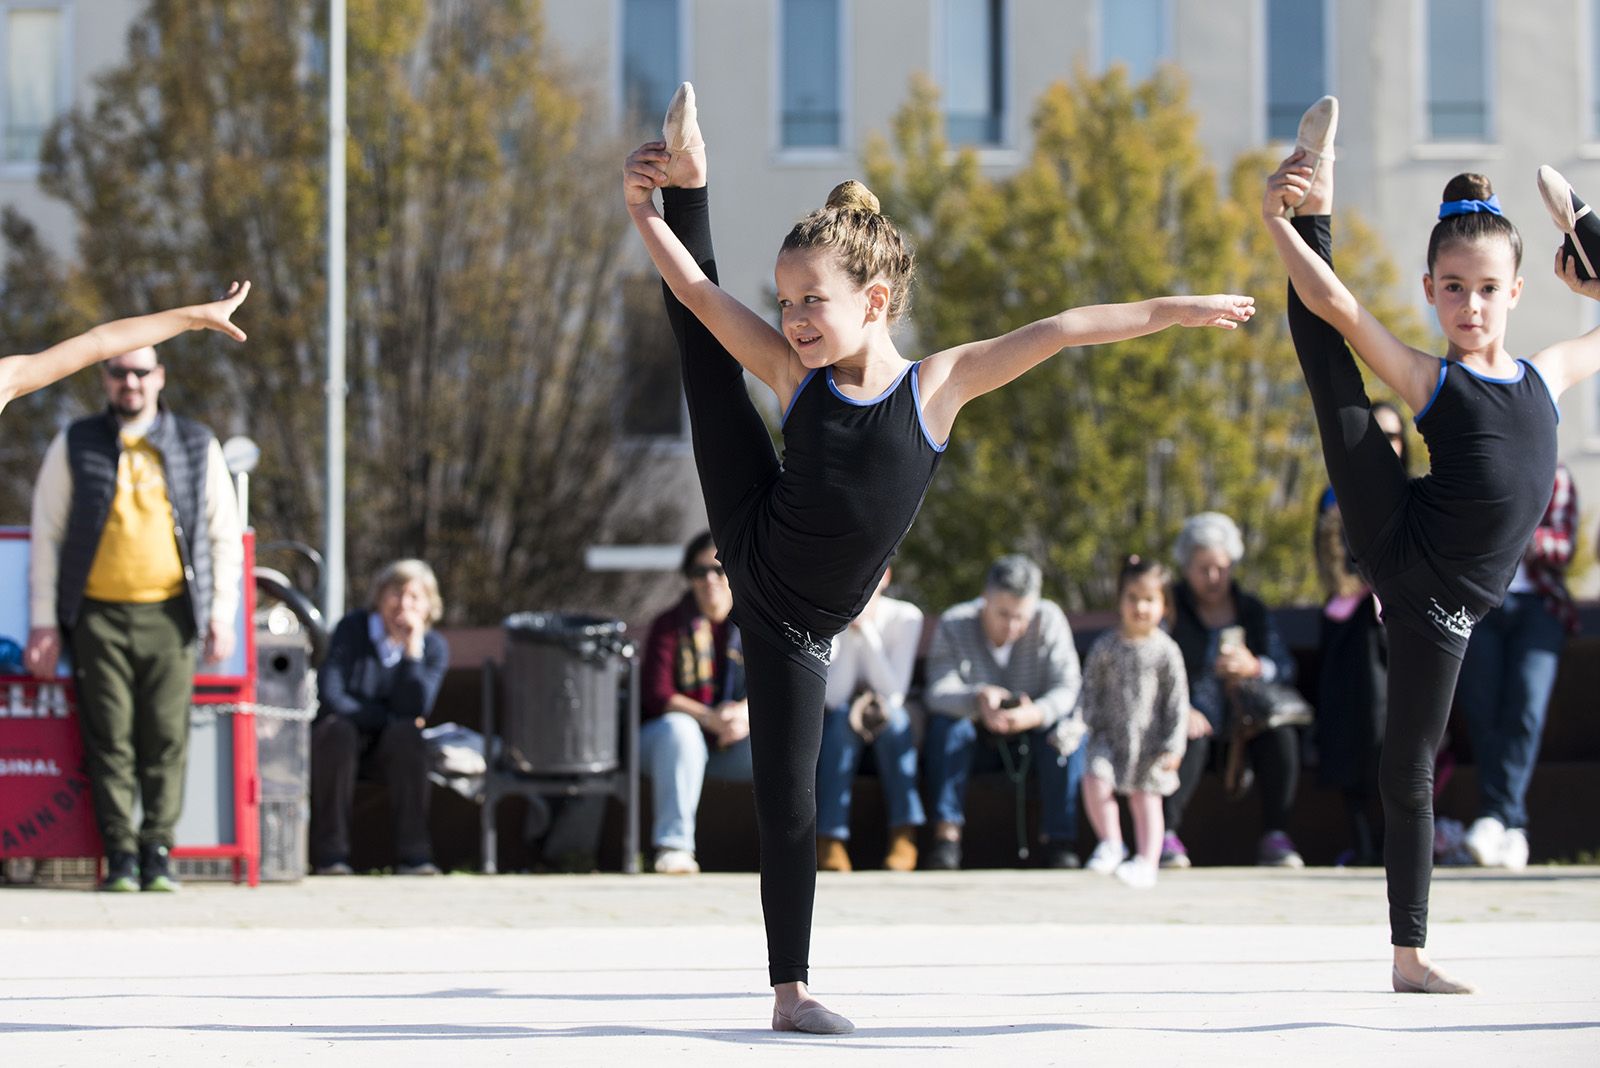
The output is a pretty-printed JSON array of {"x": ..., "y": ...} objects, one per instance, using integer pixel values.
[
  {"x": 376, "y": 691},
  {"x": 1226, "y": 636}
]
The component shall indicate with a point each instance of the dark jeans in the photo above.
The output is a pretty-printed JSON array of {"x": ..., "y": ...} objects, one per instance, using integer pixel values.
[
  {"x": 955, "y": 748},
  {"x": 341, "y": 753},
  {"x": 1506, "y": 679},
  {"x": 134, "y": 668},
  {"x": 1275, "y": 759}
]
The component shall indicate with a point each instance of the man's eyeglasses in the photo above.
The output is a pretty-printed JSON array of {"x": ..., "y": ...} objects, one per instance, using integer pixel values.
[
  {"x": 706, "y": 570},
  {"x": 118, "y": 373}
]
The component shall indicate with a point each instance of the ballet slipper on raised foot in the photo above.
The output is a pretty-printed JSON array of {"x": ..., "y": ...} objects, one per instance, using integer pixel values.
[
  {"x": 1433, "y": 982},
  {"x": 681, "y": 132},
  {"x": 1576, "y": 220},
  {"x": 1315, "y": 138},
  {"x": 809, "y": 1017}
]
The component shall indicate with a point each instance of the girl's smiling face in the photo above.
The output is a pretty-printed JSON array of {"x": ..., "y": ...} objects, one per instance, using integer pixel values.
[
  {"x": 1473, "y": 287},
  {"x": 825, "y": 315}
]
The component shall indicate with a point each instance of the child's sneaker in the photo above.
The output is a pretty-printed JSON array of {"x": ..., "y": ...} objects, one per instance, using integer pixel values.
[
  {"x": 1106, "y": 857},
  {"x": 1486, "y": 841},
  {"x": 1173, "y": 854},
  {"x": 1574, "y": 219},
  {"x": 1137, "y": 872}
]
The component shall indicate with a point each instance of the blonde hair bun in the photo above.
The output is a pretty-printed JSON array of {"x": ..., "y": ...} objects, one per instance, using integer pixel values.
[{"x": 851, "y": 195}]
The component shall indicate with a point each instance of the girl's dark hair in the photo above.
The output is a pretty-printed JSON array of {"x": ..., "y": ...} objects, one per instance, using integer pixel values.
[
  {"x": 1137, "y": 567},
  {"x": 697, "y": 545},
  {"x": 1471, "y": 226},
  {"x": 867, "y": 244}
]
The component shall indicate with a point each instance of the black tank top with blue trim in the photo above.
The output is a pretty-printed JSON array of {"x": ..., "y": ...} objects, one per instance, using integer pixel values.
[
  {"x": 1492, "y": 452},
  {"x": 853, "y": 478}
]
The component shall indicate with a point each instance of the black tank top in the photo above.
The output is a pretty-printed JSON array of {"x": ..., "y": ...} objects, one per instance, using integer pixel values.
[
  {"x": 853, "y": 477},
  {"x": 1492, "y": 451}
]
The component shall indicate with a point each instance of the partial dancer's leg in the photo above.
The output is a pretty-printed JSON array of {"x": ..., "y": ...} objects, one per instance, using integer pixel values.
[
  {"x": 1367, "y": 476},
  {"x": 732, "y": 448},
  {"x": 785, "y": 736},
  {"x": 1422, "y": 681}
]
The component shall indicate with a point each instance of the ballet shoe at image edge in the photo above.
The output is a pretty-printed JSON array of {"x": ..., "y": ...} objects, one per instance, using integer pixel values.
[
  {"x": 1576, "y": 220},
  {"x": 1315, "y": 136}
]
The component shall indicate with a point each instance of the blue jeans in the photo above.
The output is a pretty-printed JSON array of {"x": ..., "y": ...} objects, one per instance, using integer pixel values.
[
  {"x": 674, "y": 754},
  {"x": 896, "y": 757},
  {"x": 953, "y": 746},
  {"x": 1506, "y": 679}
]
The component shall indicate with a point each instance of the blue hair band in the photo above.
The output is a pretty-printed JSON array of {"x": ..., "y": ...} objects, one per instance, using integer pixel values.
[{"x": 1470, "y": 207}]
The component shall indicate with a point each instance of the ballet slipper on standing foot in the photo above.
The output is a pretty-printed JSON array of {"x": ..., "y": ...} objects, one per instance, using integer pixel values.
[
  {"x": 809, "y": 1017},
  {"x": 1579, "y": 227},
  {"x": 681, "y": 132},
  {"x": 1315, "y": 138},
  {"x": 1432, "y": 981}
]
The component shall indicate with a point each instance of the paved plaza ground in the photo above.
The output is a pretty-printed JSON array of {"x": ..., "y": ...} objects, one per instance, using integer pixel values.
[{"x": 1213, "y": 966}]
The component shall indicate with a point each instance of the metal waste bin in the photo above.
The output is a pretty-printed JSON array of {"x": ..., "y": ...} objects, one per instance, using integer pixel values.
[{"x": 563, "y": 676}]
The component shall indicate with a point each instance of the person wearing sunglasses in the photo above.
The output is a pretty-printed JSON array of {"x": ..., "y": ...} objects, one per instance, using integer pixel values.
[
  {"x": 695, "y": 720},
  {"x": 136, "y": 565}
]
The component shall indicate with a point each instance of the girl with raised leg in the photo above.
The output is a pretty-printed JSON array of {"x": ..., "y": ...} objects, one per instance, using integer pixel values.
[
  {"x": 804, "y": 541},
  {"x": 1439, "y": 550}
]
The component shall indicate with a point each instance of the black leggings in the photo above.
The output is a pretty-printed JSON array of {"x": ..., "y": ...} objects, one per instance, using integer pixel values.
[
  {"x": 1371, "y": 486},
  {"x": 735, "y": 459}
]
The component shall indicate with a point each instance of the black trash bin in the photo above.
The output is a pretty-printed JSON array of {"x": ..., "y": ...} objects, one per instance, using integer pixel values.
[{"x": 562, "y": 680}]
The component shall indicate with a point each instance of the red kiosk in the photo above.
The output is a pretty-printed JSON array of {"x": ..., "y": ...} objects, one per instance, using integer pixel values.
[{"x": 45, "y": 804}]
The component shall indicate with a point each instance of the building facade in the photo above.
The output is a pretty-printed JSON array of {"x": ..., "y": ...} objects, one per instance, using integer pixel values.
[{"x": 790, "y": 91}]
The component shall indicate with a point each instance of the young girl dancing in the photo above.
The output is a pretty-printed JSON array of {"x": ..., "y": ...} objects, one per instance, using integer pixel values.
[
  {"x": 804, "y": 540},
  {"x": 1441, "y": 549},
  {"x": 20, "y": 375},
  {"x": 1135, "y": 706}
]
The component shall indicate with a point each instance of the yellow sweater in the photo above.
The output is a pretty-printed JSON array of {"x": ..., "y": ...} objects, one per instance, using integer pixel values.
[{"x": 137, "y": 561}]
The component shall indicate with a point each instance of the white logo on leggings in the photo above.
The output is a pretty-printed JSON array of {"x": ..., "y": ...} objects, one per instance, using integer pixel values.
[
  {"x": 815, "y": 648},
  {"x": 1459, "y": 623}
]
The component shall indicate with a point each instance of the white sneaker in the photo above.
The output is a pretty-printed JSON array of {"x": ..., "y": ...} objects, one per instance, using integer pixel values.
[
  {"x": 1514, "y": 855},
  {"x": 676, "y": 862},
  {"x": 1486, "y": 841},
  {"x": 1138, "y": 873},
  {"x": 1106, "y": 857}
]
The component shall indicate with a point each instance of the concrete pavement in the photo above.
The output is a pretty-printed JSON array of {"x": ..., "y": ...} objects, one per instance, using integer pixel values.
[{"x": 1214, "y": 966}]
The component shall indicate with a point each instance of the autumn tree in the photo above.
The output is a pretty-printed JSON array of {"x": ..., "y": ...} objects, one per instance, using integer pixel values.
[
  {"x": 483, "y": 270},
  {"x": 1105, "y": 450}
]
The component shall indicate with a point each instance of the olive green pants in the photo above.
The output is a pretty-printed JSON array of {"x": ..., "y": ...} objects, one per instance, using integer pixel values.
[{"x": 134, "y": 668}]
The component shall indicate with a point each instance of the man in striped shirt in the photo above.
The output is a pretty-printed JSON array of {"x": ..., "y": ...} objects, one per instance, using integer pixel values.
[{"x": 1002, "y": 672}]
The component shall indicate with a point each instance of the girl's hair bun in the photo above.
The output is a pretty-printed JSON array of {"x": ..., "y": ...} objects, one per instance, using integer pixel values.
[
  {"x": 851, "y": 195},
  {"x": 1468, "y": 186}
]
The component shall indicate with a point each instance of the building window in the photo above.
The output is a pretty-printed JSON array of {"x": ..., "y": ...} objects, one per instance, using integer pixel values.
[
  {"x": 651, "y": 399},
  {"x": 1297, "y": 63},
  {"x": 35, "y": 76},
  {"x": 971, "y": 59},
  {"x": 1134, "y": 33},
  {"x": 809, "y": 56},
  {"x": 1459, "y": 70},
  {"x": 650, "y": 60}
]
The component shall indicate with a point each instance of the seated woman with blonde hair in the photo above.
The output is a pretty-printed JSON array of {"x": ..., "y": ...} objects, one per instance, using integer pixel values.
[{"x": 377, "y": 689}]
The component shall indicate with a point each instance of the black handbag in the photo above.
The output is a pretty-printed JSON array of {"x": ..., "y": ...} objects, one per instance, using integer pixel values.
[{"x": 1255, "y": 705}]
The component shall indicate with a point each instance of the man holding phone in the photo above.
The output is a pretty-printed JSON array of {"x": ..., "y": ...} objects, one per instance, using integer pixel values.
[{"x": 1003, "y": 670}]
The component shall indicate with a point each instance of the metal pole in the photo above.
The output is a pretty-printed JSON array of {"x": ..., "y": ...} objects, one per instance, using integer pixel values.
[{"x": 333, "y": 506}]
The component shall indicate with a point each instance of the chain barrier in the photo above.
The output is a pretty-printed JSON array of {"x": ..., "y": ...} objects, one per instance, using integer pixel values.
[{"x": 207, "y": 712}]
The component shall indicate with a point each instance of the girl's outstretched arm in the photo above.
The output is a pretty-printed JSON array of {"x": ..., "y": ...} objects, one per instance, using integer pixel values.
[
  {"x": 1411, "y": 374},
  {"x": 951, "y": 378},
  {"x": 20, "y": 375},
  {"x": 1567, "y": 363},
  {"x": 750, "y": 339}
]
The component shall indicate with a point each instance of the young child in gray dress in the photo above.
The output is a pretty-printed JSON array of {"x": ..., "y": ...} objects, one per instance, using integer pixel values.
[{"x": 1135, "y": 706}]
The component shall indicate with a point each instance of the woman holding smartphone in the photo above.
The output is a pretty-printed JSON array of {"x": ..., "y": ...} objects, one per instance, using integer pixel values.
[{"x": 1226, "y": 635}]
